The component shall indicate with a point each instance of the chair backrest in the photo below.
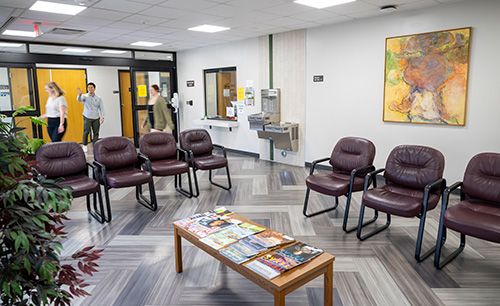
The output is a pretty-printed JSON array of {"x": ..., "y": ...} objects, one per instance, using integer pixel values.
[
  {"x": 414, "y": 166},
  {"x": 60, "y": 159},
  {"x": 158, "y": 145},
  {"x": 115, "y": 152},
  {"x": 196, "y": 140},
  {"x": 482, "y": 177},
  {"x": 352, "y": 152}
]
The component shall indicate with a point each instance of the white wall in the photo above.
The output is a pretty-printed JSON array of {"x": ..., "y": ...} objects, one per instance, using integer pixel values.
[
  {"x": 106, "y": 81},
  {"x": 190, "y": 65},
  {"x": 349, "y": 101}
]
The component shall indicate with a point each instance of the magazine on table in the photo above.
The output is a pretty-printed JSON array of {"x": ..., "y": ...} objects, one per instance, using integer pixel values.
[
  {"x": 262, "y": 269},
  {"x": 272, "y": 265},
  {"x": 214, "y": 224},
  {"x": 271, "y": 239},
  {"x": 300, "y": 252},
  {"x": 252, "y": 227},
  {"x": 220, "y": 212},
  {"x": 235, "y": 256},
  {"x": 237, "y": 232},
  {"x": 218, "y": 240},
  {"x": 186, "y": 222}
]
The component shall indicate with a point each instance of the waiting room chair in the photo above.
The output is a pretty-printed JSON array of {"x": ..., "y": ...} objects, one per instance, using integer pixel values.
[
  {"x": 67, "y": 160},
  {"x": 198, "y": 144},
  {"x": 161, "y": 149},
  {"x": 478, "y": 212},
  {"x": 414, "y": 184},
  {"x": 118, "y": 165},
  {"x": 351, "y": 159}
]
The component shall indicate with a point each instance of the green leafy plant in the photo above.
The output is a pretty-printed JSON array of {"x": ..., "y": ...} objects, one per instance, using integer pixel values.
[{"x": 31, "y": 223}]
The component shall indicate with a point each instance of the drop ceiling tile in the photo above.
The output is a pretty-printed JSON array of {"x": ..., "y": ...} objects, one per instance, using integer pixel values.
[
  {"x": 417, "y": 5},
  {"x": 85, "y": 20},
  {"x": 146, "y": 34},
  {"x": 118, "y": 31},
  {"x": 337, "y": 19},
  {"x": 224, "y": 10},
  {"x": 352, "y": 8},
  {"x": 161, "y": 29},
  {"x": 17, "y": 3},
  {"x": 78, "y": 26},
  {"x": 43, "y": 16},
  {"x": 388, "y": 2},
  {"x": 103, "y": 14},
  {"x": 257, "y": 16},
  {"x": 53, "y": 38},
  {"x": 144, "y": 19},
  {"x": 233, "y": 22},
  {"x": 122, "y": 6},
  {"x": 315, "y": 15},
  {"x": 191, "y": 5},
  {"x": 180, "y": 24},
  {"x": 5, "y": 13},
  {"x": 305, "y": 25},
  {"x": 153, "y": 2},
  {"x": 164, "y": 12},
  {"x": 128, "y": 25},
  {"x": 282, "y": 21},
  {"x": 256, "y": 4},
  {"x": 288, "y": 9}
]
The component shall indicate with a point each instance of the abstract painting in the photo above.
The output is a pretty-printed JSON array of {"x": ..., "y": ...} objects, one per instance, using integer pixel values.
[{"x": 426, "y": 77}]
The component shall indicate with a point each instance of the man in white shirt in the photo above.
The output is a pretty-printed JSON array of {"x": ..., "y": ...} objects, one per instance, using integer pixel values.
[{"x": 93, "y": 114}]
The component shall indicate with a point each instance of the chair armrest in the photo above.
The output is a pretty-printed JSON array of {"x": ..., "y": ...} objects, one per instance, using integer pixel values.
[
  {"x": 317, "y": 161},
  {"x": 221, "y": 148},
  {"x": 183, "y": 152},
  {"x": 446, "y": 193},
  {"x": 89, "y": 165},
  {"x": 102, "y": 168},
  {"x": 354, "y": 171},
  {"x": 428, "y": 188},
  {"x": 368, "y": 177},
  {"x": 143, "y": 158}
]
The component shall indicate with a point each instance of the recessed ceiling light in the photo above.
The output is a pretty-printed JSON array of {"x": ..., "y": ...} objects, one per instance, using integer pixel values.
[
  {"x": 208, "y": 28},
  {"x": 19, "y": 33},
  {"x": 10, "y": 45},
  {"x": 146, "y": 44},
  {"x": 77, "y": 50},
  {"x": 113, "y": 51},
  {"x": 319, "y": 4},
  {"x": 58, "y": 8}
]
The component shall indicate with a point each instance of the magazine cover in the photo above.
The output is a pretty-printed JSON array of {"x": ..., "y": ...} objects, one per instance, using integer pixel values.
[
  {"x": 244, "y": 249},
  {"x": 218, "y": 240},
  {"x": 233, "y": 255},
  {"x": 262, "y": 269},
  {"x": 251, "y": 227},
  {"x": 214, "y": 224},
  {"x": 188, "y": 221},
  {"x": 252, "y": 244},
  {"x": 271, "y": 238},
  {"x": 300, "y": 252},
  {"x": 278, "y": 262},
  {"x": 236, "y": 232},
  {"x": 218, "y": 212}
]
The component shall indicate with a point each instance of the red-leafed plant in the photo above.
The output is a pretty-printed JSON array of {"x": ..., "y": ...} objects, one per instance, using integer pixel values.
[{"x": 31, "y": 227}]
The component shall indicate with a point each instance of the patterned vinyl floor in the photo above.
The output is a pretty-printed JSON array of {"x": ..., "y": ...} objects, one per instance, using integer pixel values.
[{"x": 137, "y": 267}]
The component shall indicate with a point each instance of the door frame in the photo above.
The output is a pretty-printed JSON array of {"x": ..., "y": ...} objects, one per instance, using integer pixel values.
[{"x": 132, "y": 102}]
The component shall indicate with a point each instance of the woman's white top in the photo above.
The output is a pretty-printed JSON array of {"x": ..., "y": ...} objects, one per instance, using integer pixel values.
[{"x": 53, "y": 107}]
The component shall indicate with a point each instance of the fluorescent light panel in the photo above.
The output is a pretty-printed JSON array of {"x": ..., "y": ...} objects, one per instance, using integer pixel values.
[
  {"x": 19, "y": 33},
  {"x": 113, "y": 51},
  {"x": 57, "y": 8},
  {"x": 319, "y": 4},
  {"x": 146, "y": 44},
  {"x": 77, "y": 50},
  {"x": 10, "y": 45},
  {"x": 208, "y": 28}
]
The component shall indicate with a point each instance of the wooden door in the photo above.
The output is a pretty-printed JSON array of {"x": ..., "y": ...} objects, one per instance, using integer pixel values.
[
  {"x": 68, "y": 80},
  {"x": 126, "y": 104},
  {"x": 224, "y": 92}
]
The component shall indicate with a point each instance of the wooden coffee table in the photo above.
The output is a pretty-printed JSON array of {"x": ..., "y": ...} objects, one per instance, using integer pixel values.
[{"x": 278, "y": 286}]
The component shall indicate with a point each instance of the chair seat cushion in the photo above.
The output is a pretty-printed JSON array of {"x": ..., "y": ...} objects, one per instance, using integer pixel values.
[
  {"x": 208, "y": 162},
  {"x": 168, "y": 167},
  {"x": 333, "y": 183},
  {"x": 127, "y": 177},
  {"x": 82, "y": 185},
  {"x": 474, "y": 218},
  {"x": 397, "y": 200}
]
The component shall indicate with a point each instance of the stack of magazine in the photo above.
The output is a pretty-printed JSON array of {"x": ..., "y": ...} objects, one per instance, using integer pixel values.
[{"x": 277, "y": 262}]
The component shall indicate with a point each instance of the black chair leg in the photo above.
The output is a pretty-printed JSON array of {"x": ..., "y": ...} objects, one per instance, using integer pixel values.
[
  {"x": 218, "y": 185},
  {"x": 195, "y": 178},
  {"x": 108, "y": 205},
  {"x": 96, "y": 213},
  {"x": 420, "y": 238},
  {"x": 377, "y": 230},
  {"x": 439, "y": 246},
  {"x": 150, "y": 204},
  {"x": 346, "y": 217},
  {"x": 178, "y": 185},
  {"x": 306, "y": 202}
]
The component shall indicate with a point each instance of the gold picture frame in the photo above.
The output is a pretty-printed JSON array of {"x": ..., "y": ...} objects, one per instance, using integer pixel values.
[{"x": 426, "y": 77}]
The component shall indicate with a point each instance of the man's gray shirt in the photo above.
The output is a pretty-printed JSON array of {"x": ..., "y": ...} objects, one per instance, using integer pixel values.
[{"x": 93, "y": 108}]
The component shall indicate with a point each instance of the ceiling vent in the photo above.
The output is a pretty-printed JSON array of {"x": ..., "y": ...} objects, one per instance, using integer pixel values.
[{"x": 64, "y": 31}]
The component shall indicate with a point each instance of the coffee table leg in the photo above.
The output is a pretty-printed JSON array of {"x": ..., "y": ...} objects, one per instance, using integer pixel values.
[
  {"x": 279, "y": 298},
  {"x": 178, "y": 251},
  {"x": 328, "y": 290}
]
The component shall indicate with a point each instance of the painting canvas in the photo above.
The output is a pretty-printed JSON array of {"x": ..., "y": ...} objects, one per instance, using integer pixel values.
[{"x": 426, "y": 77}]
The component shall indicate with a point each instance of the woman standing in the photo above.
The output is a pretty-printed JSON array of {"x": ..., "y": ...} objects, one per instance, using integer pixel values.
[
  {"x": 56, "y": 111},
  {"x": 158, "y": 117}
]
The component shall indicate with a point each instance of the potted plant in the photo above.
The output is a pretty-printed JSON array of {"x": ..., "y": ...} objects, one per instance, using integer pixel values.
[{"x": 31, "y": 223}]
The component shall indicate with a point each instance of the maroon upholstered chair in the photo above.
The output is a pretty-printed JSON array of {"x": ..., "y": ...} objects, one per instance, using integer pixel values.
[
  {"x": 478, "y": 212},
  {"x": 67, "y": 160},
  {"x": 198, "y": 144},
  {"x": 414, "y": 184},
  {"x": 351, "y": 159},
  {"x": 118, "y": 165},
  {"x": 161, "y": 149}
]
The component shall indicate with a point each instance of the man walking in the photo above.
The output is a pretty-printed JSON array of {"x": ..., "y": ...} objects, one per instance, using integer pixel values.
[{"x": 93, "y": 114}]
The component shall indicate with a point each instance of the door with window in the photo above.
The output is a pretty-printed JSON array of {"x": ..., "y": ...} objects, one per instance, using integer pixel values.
[{"x": 142, "y": 80}]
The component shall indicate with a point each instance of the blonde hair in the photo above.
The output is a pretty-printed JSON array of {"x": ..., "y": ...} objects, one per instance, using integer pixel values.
[{"x": 53, "y": 85}]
